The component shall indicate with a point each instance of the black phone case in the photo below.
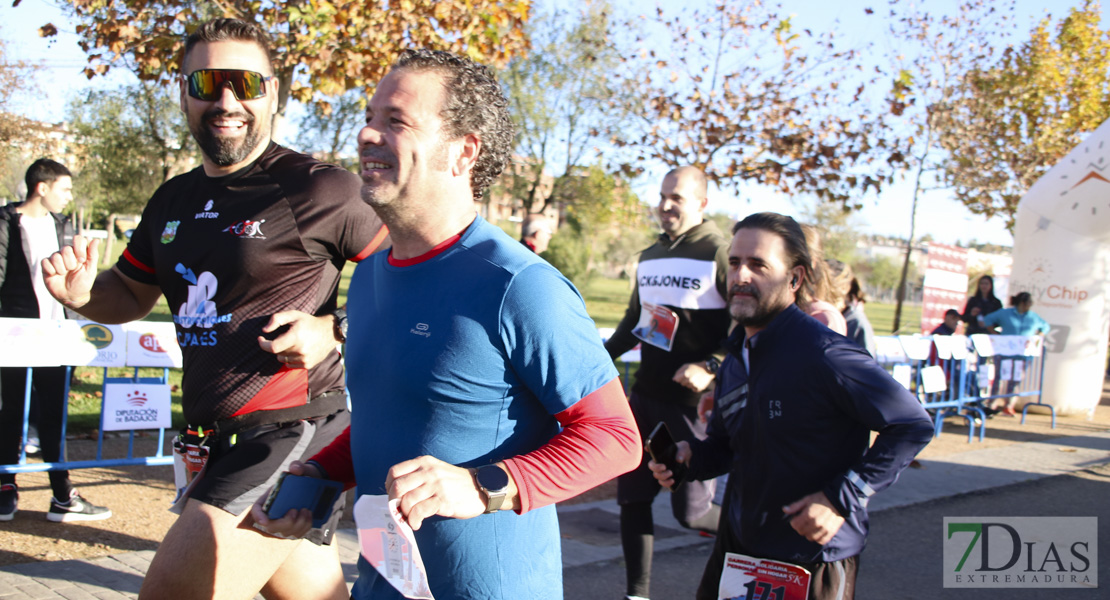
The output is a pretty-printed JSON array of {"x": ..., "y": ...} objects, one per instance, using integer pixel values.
[{"x": 662, "y": 448}]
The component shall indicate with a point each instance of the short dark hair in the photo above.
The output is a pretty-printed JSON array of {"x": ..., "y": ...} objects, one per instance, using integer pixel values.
[
  {"x": 1021, "y": 298},
  {"x": 46, "y": 171},
  {"x": 951, "y": 313},
  {"x": 473, "y": 103},
  {"x": 228, "y": 30},
  {"x": 794, "y": 240}
]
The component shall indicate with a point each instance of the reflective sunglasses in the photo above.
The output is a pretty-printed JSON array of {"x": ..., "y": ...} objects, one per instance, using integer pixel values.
[{"x": 208, "y": 84}]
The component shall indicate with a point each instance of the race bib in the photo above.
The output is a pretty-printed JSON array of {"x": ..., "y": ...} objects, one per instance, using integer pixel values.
[
  {"x": 386, "y": 541},
  {"x": 748, "y": 578},
  {"x": 657, "y": 326}
]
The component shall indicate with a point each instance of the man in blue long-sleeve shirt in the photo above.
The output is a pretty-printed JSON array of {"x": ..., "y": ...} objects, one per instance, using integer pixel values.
[{"x": 795, "y": 406}]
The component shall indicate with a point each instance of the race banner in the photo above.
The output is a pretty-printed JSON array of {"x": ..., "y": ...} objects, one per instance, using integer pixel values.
[{"x": 945, "y": 283}]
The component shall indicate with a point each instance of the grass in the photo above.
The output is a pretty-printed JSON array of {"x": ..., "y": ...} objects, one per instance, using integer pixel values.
[
  {"x": 606, "y": 301},
  {"x": 882, "y": 318}
]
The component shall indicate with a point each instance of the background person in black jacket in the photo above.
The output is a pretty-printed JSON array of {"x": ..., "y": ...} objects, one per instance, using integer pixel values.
[
  {"x": 680, "y": 290},
  {"x": 29, "y": 232},
  {"x": 983, "y": 303},
  {"x": 795, "y": 407}
]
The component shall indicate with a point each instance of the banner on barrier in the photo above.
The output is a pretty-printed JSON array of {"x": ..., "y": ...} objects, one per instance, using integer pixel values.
[
  {"x": 152, "y": 345},
  {"x": 107, "y": 342},
  {"x": 48, "y": 343},
  {"x": 33, "y": 343},
  {"x": 136, "y": 406}
]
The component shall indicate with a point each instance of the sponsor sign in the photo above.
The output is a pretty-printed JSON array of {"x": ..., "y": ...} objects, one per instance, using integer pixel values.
[
  {"x": 136, "y": 406},
  {"x": 108, "y": 343},
  {"x": 1021, "y": 552},
  {"x": 152, "y": 345}
]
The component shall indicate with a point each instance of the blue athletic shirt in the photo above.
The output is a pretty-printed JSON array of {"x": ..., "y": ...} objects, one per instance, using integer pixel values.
[{"x": 467, "y": 357}]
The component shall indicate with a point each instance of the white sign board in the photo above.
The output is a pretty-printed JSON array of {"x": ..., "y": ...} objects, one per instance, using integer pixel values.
[
  {"x": 29, "y": 343},
  {"x": 108, "y": 343},
  {"x": 933, "y": 380},
  {"x": 136, "y": 406},
  {"x": 889, "y": 350},
  {"x": 152, "y": 345},
  {"x": 916, "y": 347}
]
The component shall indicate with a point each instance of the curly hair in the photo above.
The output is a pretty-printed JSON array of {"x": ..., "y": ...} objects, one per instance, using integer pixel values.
[
  {"x": 228, "y": 30},
  {"x": 474, "y": 103}
]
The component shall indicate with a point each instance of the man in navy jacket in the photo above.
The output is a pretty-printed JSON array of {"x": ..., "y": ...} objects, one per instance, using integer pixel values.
[{"x": 795, "y": 406}]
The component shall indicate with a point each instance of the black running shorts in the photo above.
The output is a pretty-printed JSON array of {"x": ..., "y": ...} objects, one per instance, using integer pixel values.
[{"x": 244, "y": 466}]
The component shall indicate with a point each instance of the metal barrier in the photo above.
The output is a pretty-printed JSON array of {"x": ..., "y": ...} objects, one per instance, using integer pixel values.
[
  {"x": 157, "y": 459},
  {"x": 43, "y": 343},
  {"x": 954, "y": 376}
]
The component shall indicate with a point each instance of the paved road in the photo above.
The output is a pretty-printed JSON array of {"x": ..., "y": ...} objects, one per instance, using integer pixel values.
[
  {"x": 903, "y": 557},
  {"x": 1060, "y": 477}
]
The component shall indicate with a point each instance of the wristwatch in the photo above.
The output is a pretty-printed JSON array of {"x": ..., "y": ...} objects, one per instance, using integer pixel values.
[
  {"x": 712, "y": 364},
  {"x": 341, "y": 324},
  {"x": 493, "y": 481}
]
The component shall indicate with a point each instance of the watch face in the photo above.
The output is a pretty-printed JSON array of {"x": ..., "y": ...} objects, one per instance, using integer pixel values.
[{"x": 492, "y": 478}]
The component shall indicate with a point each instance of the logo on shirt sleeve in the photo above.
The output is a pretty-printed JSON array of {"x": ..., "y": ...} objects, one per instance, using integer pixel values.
[{"x": 170, "y": 232}]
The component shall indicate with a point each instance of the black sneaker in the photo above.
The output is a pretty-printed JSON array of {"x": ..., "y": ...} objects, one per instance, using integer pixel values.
[
  {"x": 9, "y": 501},
  {"x": 77, "y": 509}
]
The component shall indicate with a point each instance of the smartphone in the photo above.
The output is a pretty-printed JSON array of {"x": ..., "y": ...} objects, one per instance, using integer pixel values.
[
  {"x": 662, "y": 449},
  {"x": 297, "y": 491}
]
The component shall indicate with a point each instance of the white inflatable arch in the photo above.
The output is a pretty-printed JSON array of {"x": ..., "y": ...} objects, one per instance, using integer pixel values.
[{"x": 1062, "y": 257}]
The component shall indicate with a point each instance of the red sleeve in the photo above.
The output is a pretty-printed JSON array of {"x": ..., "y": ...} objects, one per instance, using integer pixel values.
[
  {"x": 599, "y": 441},
  {"x": 336, "y": 459},
  {"x": 375, "y": 243}
]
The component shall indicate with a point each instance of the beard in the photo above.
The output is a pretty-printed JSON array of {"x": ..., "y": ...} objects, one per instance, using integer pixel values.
[
  {"x": 226, "y": 151},
  {"x": 767, "y": 305}
]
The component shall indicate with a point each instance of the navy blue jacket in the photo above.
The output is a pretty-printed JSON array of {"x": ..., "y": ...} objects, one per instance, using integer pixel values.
[{"x": 799, "y": 423}]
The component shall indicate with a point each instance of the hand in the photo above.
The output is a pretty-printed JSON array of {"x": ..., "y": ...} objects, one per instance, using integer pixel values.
[
  {"x": 295, "y": 523},
  {"x": 814, "y": 518},
  {"x": 308, "y": 340},
  {"x": 70, "y": 272},
  {"x": 662, "y": 474},
  {"x": 428, "y": 486},
  {"x": 705, "y": 406},
  {"x": 694, "y": 376},
  {"x": 975, "y": 310}
]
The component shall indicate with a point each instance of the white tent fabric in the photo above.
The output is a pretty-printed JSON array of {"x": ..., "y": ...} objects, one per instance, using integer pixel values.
[{"x": 1062, "y": 258}]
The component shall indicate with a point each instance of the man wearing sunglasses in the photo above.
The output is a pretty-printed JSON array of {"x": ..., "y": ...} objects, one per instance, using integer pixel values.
[{"x": 247, "y": 250}]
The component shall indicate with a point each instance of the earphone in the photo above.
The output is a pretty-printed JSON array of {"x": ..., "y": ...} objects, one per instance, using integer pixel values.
[{"x": 794, "y": 282}]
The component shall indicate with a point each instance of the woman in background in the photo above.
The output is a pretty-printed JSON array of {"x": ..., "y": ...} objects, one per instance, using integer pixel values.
[
  {"x": 983, "y": 303},
  {"x": 822, "y": 306},
  {"x": 1019, "y": 319},
  {"x": 847, "y": 287}
]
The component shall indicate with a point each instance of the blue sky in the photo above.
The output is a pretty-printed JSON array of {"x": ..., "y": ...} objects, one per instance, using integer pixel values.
[{"x": 945, "y": 219}]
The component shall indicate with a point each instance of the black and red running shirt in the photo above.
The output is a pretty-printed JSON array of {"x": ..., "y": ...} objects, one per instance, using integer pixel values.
[{"x": 230, "y": 252}]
